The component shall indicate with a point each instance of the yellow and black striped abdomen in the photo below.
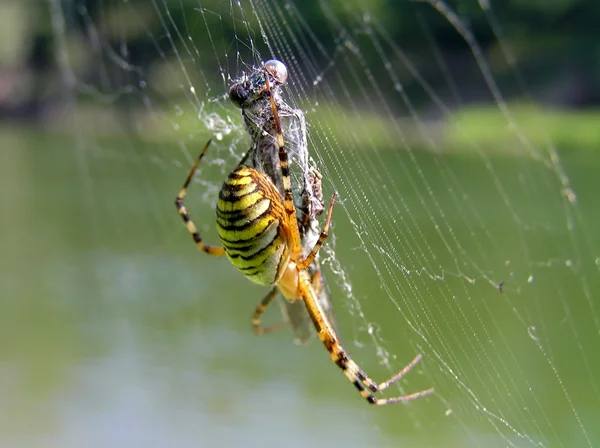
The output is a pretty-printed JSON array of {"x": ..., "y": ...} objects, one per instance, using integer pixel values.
[{"x": 250, "y": 222}]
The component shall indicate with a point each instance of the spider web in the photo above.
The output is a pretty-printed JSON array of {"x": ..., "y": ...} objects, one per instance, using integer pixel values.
[{"x": 477, "y": 253}]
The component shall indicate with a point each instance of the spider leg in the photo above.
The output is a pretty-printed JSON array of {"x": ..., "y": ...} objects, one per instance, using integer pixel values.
[
  {"x": 290, "y": 208},
  {"x": 189, "y": 224},
  {"x": 365, "y": 385},
  {"x": 260, "y": 309},
  {"x": 316, "y": 283},
  {"x": 288, "y": 198},
  {"x": 303, "y": 264}
]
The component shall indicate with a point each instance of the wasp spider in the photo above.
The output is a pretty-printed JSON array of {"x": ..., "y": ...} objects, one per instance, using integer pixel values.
[{"x": 259, "y": 233}]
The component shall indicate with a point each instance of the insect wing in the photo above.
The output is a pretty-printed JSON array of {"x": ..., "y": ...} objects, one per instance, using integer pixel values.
[{"x": 296, "y": 315}]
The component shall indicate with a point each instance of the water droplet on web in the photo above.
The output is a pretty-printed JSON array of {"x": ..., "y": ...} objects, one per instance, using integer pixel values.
[
  {"x": 219, "y": 136},
  {"x": 531, "y": 330},
  {"x": 530, "y": 279}
]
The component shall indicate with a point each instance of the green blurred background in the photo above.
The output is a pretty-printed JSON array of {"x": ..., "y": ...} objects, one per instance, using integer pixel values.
[{"x": 116, "y": 331}]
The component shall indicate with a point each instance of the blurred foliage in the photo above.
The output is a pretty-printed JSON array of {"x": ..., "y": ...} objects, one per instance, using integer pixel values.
[{"x": 555, "y": 43}]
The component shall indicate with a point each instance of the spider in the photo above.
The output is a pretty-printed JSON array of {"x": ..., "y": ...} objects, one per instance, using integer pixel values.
[
  {"x": 248, "y": 92},
  {"x": 259, "y": 232}
]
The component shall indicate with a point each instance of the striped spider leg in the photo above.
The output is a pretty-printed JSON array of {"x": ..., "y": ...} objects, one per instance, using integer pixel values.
[{"x": 327, "y": 334}]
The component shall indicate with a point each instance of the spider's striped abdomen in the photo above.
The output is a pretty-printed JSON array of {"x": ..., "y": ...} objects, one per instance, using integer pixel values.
[{"x": 250, "y": 222}]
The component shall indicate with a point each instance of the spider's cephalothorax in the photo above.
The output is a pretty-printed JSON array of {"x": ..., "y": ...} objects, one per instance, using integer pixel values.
[{"x": 261, "y": 232}]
